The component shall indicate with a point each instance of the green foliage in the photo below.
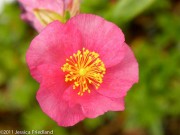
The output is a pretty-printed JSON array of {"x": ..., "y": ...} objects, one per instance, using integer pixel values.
[
  {"x": 152, "y": 29},
  {"x": 120, "y": 12},
  {"x": 15, "y": 82},
  {"x": 126, "y": 10}
]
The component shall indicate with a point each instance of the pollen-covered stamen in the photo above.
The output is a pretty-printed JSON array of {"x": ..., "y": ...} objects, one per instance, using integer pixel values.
[{"x": 84, "y": 68}]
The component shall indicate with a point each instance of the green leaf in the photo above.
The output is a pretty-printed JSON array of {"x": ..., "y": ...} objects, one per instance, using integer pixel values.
[{"x": 125, "y": 10}]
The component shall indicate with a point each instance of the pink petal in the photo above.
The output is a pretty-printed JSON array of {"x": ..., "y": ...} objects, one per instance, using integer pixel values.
[
  {"x": 120, "y": 78},
  {"x": 100, "y": 36},
  {"x": 52, "y": 104},
  {"x": 35, "y": 23},
  {"x": 52, "y": 78},
  {"x": 52, "y": 46},
  {"x": 50, "y": 97},
  {"x": 93, "y": 104},
  {"x": 53, "y": 5},
  {"x": 96, "y": 104}
]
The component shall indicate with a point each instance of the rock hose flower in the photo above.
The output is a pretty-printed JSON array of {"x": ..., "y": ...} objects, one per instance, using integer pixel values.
[
  {"x": 42, "y": 12},
  {"x": 84, "y": 68}
]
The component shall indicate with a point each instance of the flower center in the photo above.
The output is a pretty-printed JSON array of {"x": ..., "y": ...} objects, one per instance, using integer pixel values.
[
  {"x": 82, "y": 72},
  {"x": 83, "y": 69}
]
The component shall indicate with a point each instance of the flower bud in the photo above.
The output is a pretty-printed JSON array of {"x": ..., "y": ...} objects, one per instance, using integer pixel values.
[{"x": 42, "y": 12}]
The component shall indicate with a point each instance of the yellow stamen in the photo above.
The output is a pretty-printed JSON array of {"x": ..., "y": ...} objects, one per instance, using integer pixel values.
[{"x": 83, "y": 69}]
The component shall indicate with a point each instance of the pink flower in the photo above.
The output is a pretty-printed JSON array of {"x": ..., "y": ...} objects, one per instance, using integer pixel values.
[
  {"x": 42, "y": 12},
  {"x": 84, "y": 68}
]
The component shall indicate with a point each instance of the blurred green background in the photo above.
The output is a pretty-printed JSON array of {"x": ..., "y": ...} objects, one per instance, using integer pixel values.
[{"x": 152, "y": 29}]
